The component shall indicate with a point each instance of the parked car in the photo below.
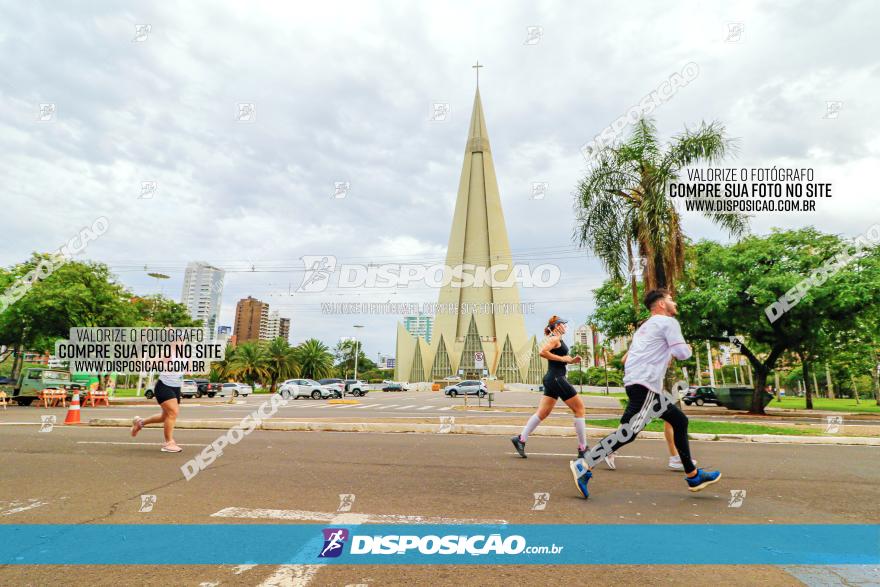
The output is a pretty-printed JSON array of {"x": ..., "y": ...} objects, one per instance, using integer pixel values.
[
  {"x": 700, "y": 395},
  {"x": 356, "y": 387},
  {"x": 206, "y": 387},
  {"x": 335, "y": 385},
  {"x": 394, "y": 387},
  {"x": 33, "y": 380},
  {"x": 467, "y": 387},
  {"x": 188, "y": 389},
  {"x": 234, "y": 389},
  {"x": 297, "y": 388}
]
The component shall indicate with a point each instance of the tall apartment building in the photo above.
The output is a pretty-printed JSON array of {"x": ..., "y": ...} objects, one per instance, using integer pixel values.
[
  {"x": 419, "y": 325},
  {"x": 277, "y": 326},
  {"x": 202, "y": 290},
  {"x": 586, "y": 336},
  {"x": 251, "y": 320}
]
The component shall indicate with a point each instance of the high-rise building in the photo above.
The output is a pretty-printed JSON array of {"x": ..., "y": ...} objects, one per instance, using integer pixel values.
[
  {"x": 486, "y": 334},
  {"x": 202, "y": 290},
  {"x": 419, "y": 325},
  {"x": 584, "y": 335},
  {"x": 251, "y": 319},
  {"x": 276, "y": 326}
]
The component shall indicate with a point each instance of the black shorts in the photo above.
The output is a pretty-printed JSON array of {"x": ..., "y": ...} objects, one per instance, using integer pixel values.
[
  {"x": 163, "y": 392},
  {"x": 558, "y": 387}
]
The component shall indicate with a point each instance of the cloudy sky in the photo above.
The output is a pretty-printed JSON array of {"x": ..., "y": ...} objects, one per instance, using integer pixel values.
[{"x": 343, "y": 92}]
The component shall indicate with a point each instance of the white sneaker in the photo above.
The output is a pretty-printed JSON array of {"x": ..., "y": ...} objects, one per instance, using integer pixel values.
[
  {"x": 609, "y": 460},
  {"x": 675, "y": 463}
]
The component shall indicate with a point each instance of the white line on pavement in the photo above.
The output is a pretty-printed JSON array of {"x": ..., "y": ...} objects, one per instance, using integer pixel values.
[
  {"x": 23, "y": 508},
  {"x": 406, "y": 407},
  {"x": 303, "y": 515},
  {"x": 426, "y": 407},
  {"x": 386, "y": 407},
  {"x": 138, "y": 443}
]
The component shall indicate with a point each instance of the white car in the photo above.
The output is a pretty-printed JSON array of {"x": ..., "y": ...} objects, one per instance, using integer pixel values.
[
  {"x": 188, "y": 389},
  {"x": 235, "y": 389},
  {"x": 297, "y": 388}
]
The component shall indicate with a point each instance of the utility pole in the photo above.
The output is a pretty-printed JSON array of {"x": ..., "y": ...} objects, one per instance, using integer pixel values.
[{"x": 356, "y": 349}]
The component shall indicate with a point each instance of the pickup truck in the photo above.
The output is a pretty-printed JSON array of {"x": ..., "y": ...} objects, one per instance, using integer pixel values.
[{"x": 33, "y": 380}]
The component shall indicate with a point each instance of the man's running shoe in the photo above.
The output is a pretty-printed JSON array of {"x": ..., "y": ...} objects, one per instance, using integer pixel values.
[
  {"x": 675, "y": 463},
  {"x": 520, "y": 446},
  {"x": 702, "y": 479},
  {"x": 582, "y": 476}
]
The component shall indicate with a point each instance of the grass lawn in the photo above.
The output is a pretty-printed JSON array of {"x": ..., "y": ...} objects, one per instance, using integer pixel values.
[
  {"x": 603, "y": 394},
  {"x": 867, "y": 406},
  {"x": 704, "y": 427}
]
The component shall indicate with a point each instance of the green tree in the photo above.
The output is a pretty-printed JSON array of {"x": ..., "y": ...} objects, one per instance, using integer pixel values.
[
  {"x": 729, "y": 289},
  {"x": 315, "y": 359},
  {"x": 626, "y": 218},
  {"x": 249, "y": 363},
  {"x": 74, "y": 293},
  {"x": 282, "y": 360}
]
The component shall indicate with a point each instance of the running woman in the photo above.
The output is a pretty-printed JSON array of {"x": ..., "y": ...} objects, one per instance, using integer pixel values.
[
  {"x": 167, "y": 393},
  {"x": 556, "y": 387},
  {"x": 654, "y": 344}
]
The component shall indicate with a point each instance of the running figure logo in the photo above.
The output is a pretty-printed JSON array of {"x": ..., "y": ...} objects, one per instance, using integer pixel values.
[
  {"x": 47, "y": 423},
  {"x": 147, "y": 503},
  {"x": 833, "y": 424},
  {"x": 737, "y": 497},
  {"x": 346, "y": 500},
  {"x": 541, "y": 500},
  {"x": 334, "y": 540},
  {"x": 317, "y": 273}
]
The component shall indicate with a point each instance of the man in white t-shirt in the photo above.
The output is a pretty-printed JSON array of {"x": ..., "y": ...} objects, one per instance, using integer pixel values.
[{"x": 656, "y": 341}]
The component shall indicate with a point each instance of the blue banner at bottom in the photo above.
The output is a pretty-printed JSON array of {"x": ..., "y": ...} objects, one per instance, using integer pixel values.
[{"x": 523, "y": 544}]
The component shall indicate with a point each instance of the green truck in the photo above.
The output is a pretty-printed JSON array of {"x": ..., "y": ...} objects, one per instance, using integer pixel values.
[{"x": 33, "y": 380}]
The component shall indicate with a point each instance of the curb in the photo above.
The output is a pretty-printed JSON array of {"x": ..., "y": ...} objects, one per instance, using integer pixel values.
[{"x": 485, "y": 429}]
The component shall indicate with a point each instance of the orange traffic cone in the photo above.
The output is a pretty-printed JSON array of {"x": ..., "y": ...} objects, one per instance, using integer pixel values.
[{"x": 73, "y": 412}]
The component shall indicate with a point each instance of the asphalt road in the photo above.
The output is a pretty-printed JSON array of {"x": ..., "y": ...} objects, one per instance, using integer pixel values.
[{"x": 97, "y": 475}]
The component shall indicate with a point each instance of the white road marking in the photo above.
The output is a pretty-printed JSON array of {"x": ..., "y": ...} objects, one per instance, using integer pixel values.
[
  {"x": 343, "y": 406},
  {"x": 568, "y": 454},
  {"x": 386, "y": 407},
  {"x": 19, "y": 506},
  {"x": 341, "y": 518},
  {"x": 367, "y": 406},
  {"x": 238, "y": 570},
  {"x": 426, "y": 407},
  {"x": 406, "y": 407},
  {"x": 137, "y": 443},
  {"x": 446, "y": 409}
]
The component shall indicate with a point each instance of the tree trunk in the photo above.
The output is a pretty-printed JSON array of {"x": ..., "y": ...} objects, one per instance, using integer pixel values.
[
  {"x": 808, "y": 391},
  {"x": 815, "y": 383},
  {"x": 16, "y": 362},
  {"x": 875, "y": 373},
  {"x": 828, "y": 381},
  {"x": 855, "y": 389},
  {"x": 760, "y": 383},
  {"x": 632, "y": 278},
  {"x": 776, "y": 386}
]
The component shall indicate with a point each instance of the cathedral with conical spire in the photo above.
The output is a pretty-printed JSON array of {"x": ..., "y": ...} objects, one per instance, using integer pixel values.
[{"x": 484, "y": 319}]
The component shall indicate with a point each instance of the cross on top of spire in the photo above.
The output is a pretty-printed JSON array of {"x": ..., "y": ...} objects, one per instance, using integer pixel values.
[{"x": 477, "y": 67}]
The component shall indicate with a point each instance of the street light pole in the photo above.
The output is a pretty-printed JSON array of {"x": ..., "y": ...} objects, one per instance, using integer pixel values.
[{"x": 356, "y": 350}]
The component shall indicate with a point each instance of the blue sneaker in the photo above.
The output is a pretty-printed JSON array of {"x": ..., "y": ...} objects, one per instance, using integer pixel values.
[
  {"x": 702, "y": 479},
  {"x": 582, "y": 476}
]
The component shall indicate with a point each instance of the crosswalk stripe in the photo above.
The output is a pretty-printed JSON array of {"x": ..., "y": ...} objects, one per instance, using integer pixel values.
[
  {"x": 446, "y": 409},
  {"x": 385, "y": 407},
  {"x": 426, "y": 407},
  {"x": 367, "y": 406},
  {"x": 406, "y": 407}
]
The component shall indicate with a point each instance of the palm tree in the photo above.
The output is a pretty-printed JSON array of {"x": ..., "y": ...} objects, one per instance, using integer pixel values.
[
  {"x": 282, "y": 362},
  {"x": 249, "y": 363},
  {"x": 220, "y": 370},
  {"x": 622, "y": 204},
  {"x": 315, "y": 359}
]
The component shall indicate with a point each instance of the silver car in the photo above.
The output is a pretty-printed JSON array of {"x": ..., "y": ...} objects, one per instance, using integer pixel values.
[{"x": 297, "y": 388}]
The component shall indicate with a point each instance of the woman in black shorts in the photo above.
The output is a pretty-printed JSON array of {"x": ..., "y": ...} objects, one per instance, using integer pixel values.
[
  {"x": 556, "y": 387},
  {"x": 167, "y": 393}
]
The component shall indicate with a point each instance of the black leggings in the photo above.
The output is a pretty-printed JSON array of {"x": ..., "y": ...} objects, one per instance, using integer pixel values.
[{"x": 642, "y": 401}]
